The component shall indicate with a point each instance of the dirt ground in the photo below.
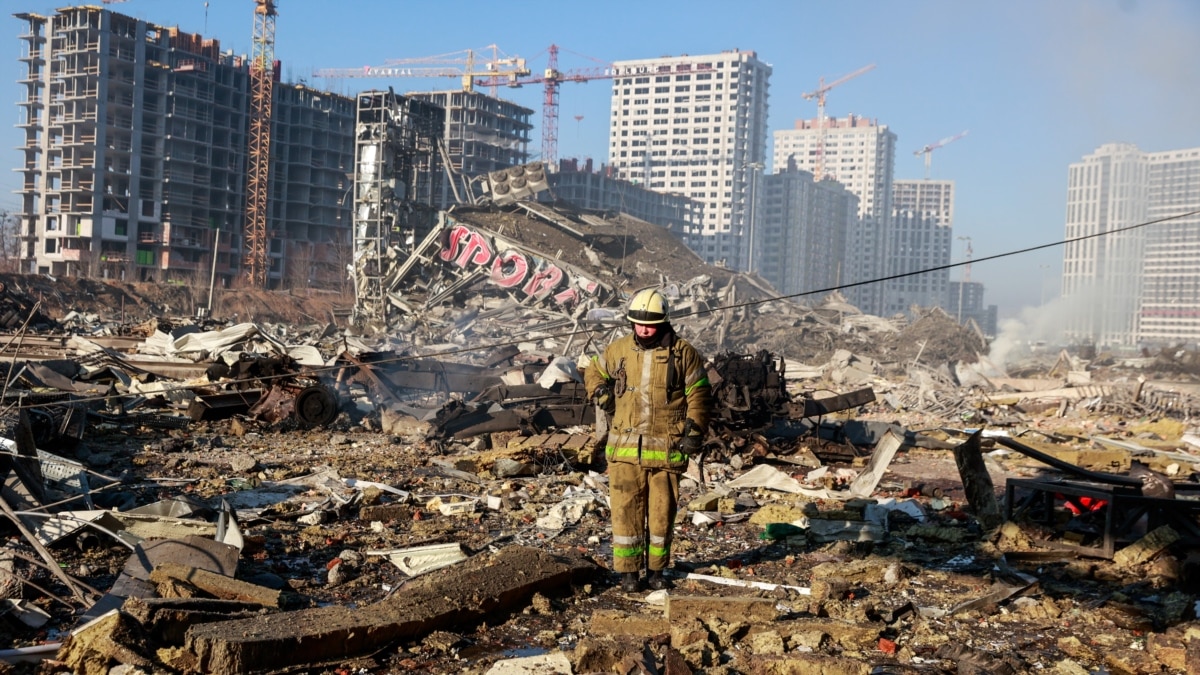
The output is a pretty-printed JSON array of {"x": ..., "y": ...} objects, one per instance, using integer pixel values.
[{"x": 890, "y": 606}]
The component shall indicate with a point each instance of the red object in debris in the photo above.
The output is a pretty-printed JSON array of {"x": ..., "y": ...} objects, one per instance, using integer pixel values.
[
  {"x": 333, "y": 563},
  {"x": 417, "y": 515},
  {"x": 887, "y": 646},
  {"x": 733, "y": 563},
  {"x": 1079, "y": 505}
]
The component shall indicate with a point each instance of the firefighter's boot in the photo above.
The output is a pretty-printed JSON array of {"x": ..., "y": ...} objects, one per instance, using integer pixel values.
[
  {"x": 629, "y": 582},
  {"x": 657, "y": 581}
]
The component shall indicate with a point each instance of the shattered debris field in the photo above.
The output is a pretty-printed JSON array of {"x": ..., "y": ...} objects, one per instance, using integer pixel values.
[{"x": 280, "y": 493}]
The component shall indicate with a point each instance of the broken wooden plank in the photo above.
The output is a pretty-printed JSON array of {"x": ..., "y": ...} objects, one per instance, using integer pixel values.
[
  {"x": 977, "y": 483},
  {"x": 817, "y": 407},
  {"x": 218, "y": 585}
]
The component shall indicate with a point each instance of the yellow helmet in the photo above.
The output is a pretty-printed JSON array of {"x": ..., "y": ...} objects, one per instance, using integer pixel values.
[{"x": 648, "y": 306}]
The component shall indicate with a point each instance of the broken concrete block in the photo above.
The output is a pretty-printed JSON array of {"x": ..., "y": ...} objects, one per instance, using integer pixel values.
[
  {"x": 554, "y": 662},
  {"x": 110, "y": 640},
  {"x": 766, "y": 643},
  {"x": 852, "y": 636},
  {"x": 600, "y": 655},
  {"x": 778, "y": 513},
  {"x": 748, "y": 609},
  {"x": 457, "y": 596},
  {"x": 726, "y": 633},
  {"x": 385, "y": 512},
  {"x": 1069, "y": 667},
  {"x": 1169, "y": 649},
  {"x": 1074, "y": 648},
  {"x": 687, "y": 632},
  {"x": 1147, "y": 547},
  {"x": 806, "y": 664},
  {"x": 705, "y": 502},
  {"x": 167, "y": 619},
  {"x": 617, "y": 623}
]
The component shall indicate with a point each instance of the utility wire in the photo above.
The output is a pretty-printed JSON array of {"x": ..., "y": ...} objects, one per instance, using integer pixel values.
[{"x": 588, "y": 331}]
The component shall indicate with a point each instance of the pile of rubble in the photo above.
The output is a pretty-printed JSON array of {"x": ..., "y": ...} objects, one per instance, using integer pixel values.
[{"x": 875, "y": 495}]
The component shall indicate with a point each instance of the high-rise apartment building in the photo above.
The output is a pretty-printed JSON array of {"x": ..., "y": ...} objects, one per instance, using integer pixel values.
[
  {"x": 860, "y": 154},
  {"x": 135, "y": 156},
  {"x": 1169, "y": 311},
  {"x": 1141, "y": 285},
  {"x": 696, "y": 126},
  {"x": 803, "y": 225},
  {"x": 921, "y": 237},
  {"x": 1101, "y": 275}
]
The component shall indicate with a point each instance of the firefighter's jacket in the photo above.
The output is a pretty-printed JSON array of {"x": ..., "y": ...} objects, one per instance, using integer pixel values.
[{"x": 656, "y": 391}]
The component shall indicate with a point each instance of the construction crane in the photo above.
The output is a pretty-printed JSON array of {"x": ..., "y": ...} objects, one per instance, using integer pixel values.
[
  {"x": 262, "y": 82},
  {"x": 928, "y": 149},
  {"x": 819, "y": 94},
  {"x": 552, "y": 78},
  {"x": 440, "y": 65}
]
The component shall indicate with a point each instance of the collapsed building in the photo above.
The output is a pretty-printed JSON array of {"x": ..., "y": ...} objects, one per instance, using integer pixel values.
[{"x": 419, "y": 489}]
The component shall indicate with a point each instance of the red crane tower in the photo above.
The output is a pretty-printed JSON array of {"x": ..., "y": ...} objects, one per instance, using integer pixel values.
[
  {"x": 928, "y": 149},
  {"x": 262, "y": 81},
  {"x": 552, "y": 78},
  {"x": 819, "y": 94}
]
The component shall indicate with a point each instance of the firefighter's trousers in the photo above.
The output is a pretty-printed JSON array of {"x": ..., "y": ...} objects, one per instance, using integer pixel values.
[{"x": 642, "y": 499}]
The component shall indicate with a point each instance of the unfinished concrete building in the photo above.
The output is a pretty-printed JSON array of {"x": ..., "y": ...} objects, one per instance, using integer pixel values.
[
  {"x": 596, "y": 190},
  {"x": 803, "y": 226},
  {"x": 135, "y": 153},
  {"x": 859, "y": 153},
  {"x": 308, "y": 203},
  {"x": 922, "y": 232},
  {"x": 483, "y": 133}
]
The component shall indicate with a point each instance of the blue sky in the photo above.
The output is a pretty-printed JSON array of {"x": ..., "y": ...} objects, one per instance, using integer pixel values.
[{"x": 1039, "y": 84}]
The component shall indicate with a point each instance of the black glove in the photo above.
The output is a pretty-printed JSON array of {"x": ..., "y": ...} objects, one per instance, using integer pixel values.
[
  {"x": 692, "y": 439},
  {"x": 605, "y": 398}
]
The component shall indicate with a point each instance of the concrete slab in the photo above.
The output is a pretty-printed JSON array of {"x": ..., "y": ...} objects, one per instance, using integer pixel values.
[
  {"x": 745, "y": 608},
  {"x": 614, "y": 622},
  {"x": 457, "y": 597}
]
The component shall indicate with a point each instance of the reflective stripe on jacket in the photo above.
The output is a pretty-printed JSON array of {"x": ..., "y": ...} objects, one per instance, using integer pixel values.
[{"x": 648, "y": 422}]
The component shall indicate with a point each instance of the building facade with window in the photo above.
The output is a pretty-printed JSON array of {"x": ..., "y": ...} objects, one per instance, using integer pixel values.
[
  {"x": 1126, "y": 285},
  {"x": 696, "y": 126},
  {"x": 922, "y": 233},
  {"x": 134, "y": 160},
  {"x": 860, "y": 154},
  {"x": 803, "y": 228}
]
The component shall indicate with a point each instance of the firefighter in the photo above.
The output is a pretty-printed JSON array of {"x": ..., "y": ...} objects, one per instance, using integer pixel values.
[{"x": 655, "y": 388}]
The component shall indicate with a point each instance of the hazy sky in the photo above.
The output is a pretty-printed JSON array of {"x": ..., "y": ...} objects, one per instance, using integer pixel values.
[{"x": 1038, "y": 84}]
